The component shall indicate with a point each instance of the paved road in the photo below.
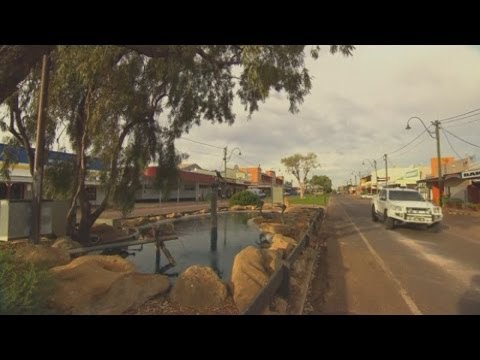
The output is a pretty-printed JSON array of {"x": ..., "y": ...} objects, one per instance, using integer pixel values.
[{"x": 372, "y": 270}]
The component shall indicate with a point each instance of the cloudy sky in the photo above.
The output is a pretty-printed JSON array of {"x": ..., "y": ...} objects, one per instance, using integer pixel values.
[{"x": 358, "y": 109}]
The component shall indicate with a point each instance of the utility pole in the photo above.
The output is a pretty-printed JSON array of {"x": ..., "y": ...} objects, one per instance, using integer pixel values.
[
  {"x": 376, "y": 176},
  {"x": 436, "y": 123},
  {"x": 386, "y": 169},
  {"x": 39, "y": 152},
  {"x": 225, "y": 161}
]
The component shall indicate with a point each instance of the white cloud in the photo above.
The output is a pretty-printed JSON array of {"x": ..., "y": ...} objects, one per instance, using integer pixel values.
[{"x": 357, "y": 109}]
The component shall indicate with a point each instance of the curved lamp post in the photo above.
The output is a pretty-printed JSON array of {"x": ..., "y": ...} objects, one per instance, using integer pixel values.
[
  {"x": 434, "y": 135},
  {"x": 225, "y": 158}
]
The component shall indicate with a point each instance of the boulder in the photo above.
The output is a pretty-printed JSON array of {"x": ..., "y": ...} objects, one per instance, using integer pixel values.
[
  {"x": 277, "y": 228},
  {"x": 173, "y": 215},
  {"x": 282, "y": 243},
  {"x": 66, "y": 243},
  {"x": 237, "y": 208},
  {"x": 41, "y": 255},
  {"x": 199, "y": 287},
  {"x": 165, "y": 228},
  {"x": 251, "y": 271},
  {"x": 102, "y": 285}
]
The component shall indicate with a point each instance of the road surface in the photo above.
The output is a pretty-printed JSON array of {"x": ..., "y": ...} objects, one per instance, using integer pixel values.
[{"x": 371, "y": 270}]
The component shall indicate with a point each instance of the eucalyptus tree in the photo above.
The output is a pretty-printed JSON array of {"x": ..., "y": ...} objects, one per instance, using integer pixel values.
[
  {"x": 299, "y": 166},
  {"x": 125, "y": 105}
]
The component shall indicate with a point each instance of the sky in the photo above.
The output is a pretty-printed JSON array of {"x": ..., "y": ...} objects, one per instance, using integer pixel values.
[{"x": 357, "y": 110}]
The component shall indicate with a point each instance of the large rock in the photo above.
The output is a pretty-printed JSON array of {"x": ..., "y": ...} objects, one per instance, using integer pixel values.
[
  {"x": 103, "y": 285},
  {"x": 66, "y": 243},
  {"x": 277, "y": 228},
  {"x": 107, "y": 233},
  {"x": 282, "y": 243},
  {"x": 199, "y": 287},
  {"x": 237, "y": 208},
  {"x": 41, "y": 255},
  {"x": 251, "y": 271}
]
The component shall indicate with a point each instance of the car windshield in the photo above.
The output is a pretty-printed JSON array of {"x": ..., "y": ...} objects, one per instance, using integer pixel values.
[{"x": 406, "y": 196}]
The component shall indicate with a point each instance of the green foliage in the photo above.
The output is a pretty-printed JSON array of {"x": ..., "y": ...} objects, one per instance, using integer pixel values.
[
  {"x": 126, "y": 109},
  {"x": 323, "y": 181},
  {"x": 8, "y": 159},
  {"x": 299, "y": 166},
  {"x": 168, "y": 174},
  {"x": 58, "y": 179},
  {"x": 309, "y": 200},
  {"x": 24, "y": 288},
  {"x": 244, "y": 198}
]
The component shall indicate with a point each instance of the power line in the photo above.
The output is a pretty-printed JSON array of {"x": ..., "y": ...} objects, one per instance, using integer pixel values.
[
  {"x": 451, "y": 147},
  {"x": 403, "y": 153},
  {"x": 465, "y": 141},
  {"x": 468, "y": 122},
  {"x": 456, "y": 116},
  {"x": 404, "y": 146},
  {"x": 462, "y": 118},
  {"x": 198, "y": 142}
]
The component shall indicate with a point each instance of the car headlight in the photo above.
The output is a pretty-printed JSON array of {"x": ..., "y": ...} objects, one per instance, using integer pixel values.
[
  {"x": 396, "y": 208},
  {"x": 437, "y": 210}
]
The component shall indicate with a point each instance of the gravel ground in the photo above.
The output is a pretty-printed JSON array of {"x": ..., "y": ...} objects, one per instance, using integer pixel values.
[{"x": 161, "y": 305}]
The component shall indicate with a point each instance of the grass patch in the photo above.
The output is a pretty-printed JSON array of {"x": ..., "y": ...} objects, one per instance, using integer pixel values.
[
  {"x": 309, "y": 200},
  {"x": 24, "y": 287}
]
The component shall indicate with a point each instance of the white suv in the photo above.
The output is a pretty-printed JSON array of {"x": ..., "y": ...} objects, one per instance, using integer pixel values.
[{"x": 396, "y": 205}]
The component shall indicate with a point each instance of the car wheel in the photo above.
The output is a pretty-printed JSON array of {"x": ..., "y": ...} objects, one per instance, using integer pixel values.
[
  {"x": 389, "y": 222},
  {"x": 435, "y": 228},
  {"x": 374, "y": 214}
]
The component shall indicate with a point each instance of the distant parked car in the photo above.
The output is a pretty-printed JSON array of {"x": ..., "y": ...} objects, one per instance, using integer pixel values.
[
  {"x": 366, "y": 196},
  {"x": 258, "y": 192}
]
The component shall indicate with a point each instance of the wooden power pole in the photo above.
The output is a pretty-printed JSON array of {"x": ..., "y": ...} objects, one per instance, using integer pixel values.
[{"x": 39, "y": 152}]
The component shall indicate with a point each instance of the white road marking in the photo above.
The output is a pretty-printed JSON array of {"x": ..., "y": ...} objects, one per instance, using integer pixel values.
[
  {"x": 462, "y": 237},
  {"x": 403, "y": 293},
  {"x": 453, "y": 268}
]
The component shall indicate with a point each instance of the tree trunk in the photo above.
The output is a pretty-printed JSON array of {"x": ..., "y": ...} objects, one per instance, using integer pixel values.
[
  {"x": 83, "y": 233},
  {"x": 302, "y": 190}
]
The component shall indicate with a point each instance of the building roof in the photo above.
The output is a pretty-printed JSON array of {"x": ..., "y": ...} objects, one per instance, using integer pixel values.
[{"x": 20, "y": 155}]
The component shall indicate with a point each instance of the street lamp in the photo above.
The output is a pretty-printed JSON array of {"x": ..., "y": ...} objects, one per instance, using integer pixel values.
[
  {"x": 434, "y": 135},
  {"x": 225, "y": 158},
  {"x": 374, "y": 165},
  {"x": 356, "y": 185}
]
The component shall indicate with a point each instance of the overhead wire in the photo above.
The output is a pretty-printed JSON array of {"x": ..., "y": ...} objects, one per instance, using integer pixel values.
[
  {"x": 459, "y": 138},
  {"x": 454, "y": 118},
  {"x": 450, "y": 144}
]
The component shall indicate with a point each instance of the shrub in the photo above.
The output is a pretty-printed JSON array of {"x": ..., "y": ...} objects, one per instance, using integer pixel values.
[
  {"x": 244, "y": 198},
  {"x": 472, "y": 206},
  {"x": 24, "y": 287}
]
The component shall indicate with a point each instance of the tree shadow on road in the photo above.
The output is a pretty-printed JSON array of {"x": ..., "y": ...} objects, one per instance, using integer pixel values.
[{"x": 469, "y": 303}]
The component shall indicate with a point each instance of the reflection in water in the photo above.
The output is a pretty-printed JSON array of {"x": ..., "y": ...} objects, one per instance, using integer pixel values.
[
  {"x": 198, "y": 244},
  {"x": 225, "y": 231},
  {"x": 124, "y": 251},
  {"x": 162, "y": 270},
  {"x": 213, "y": 251}
]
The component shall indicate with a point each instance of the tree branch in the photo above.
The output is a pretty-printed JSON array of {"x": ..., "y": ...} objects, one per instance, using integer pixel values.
[{"x": 16, "y": 62}]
